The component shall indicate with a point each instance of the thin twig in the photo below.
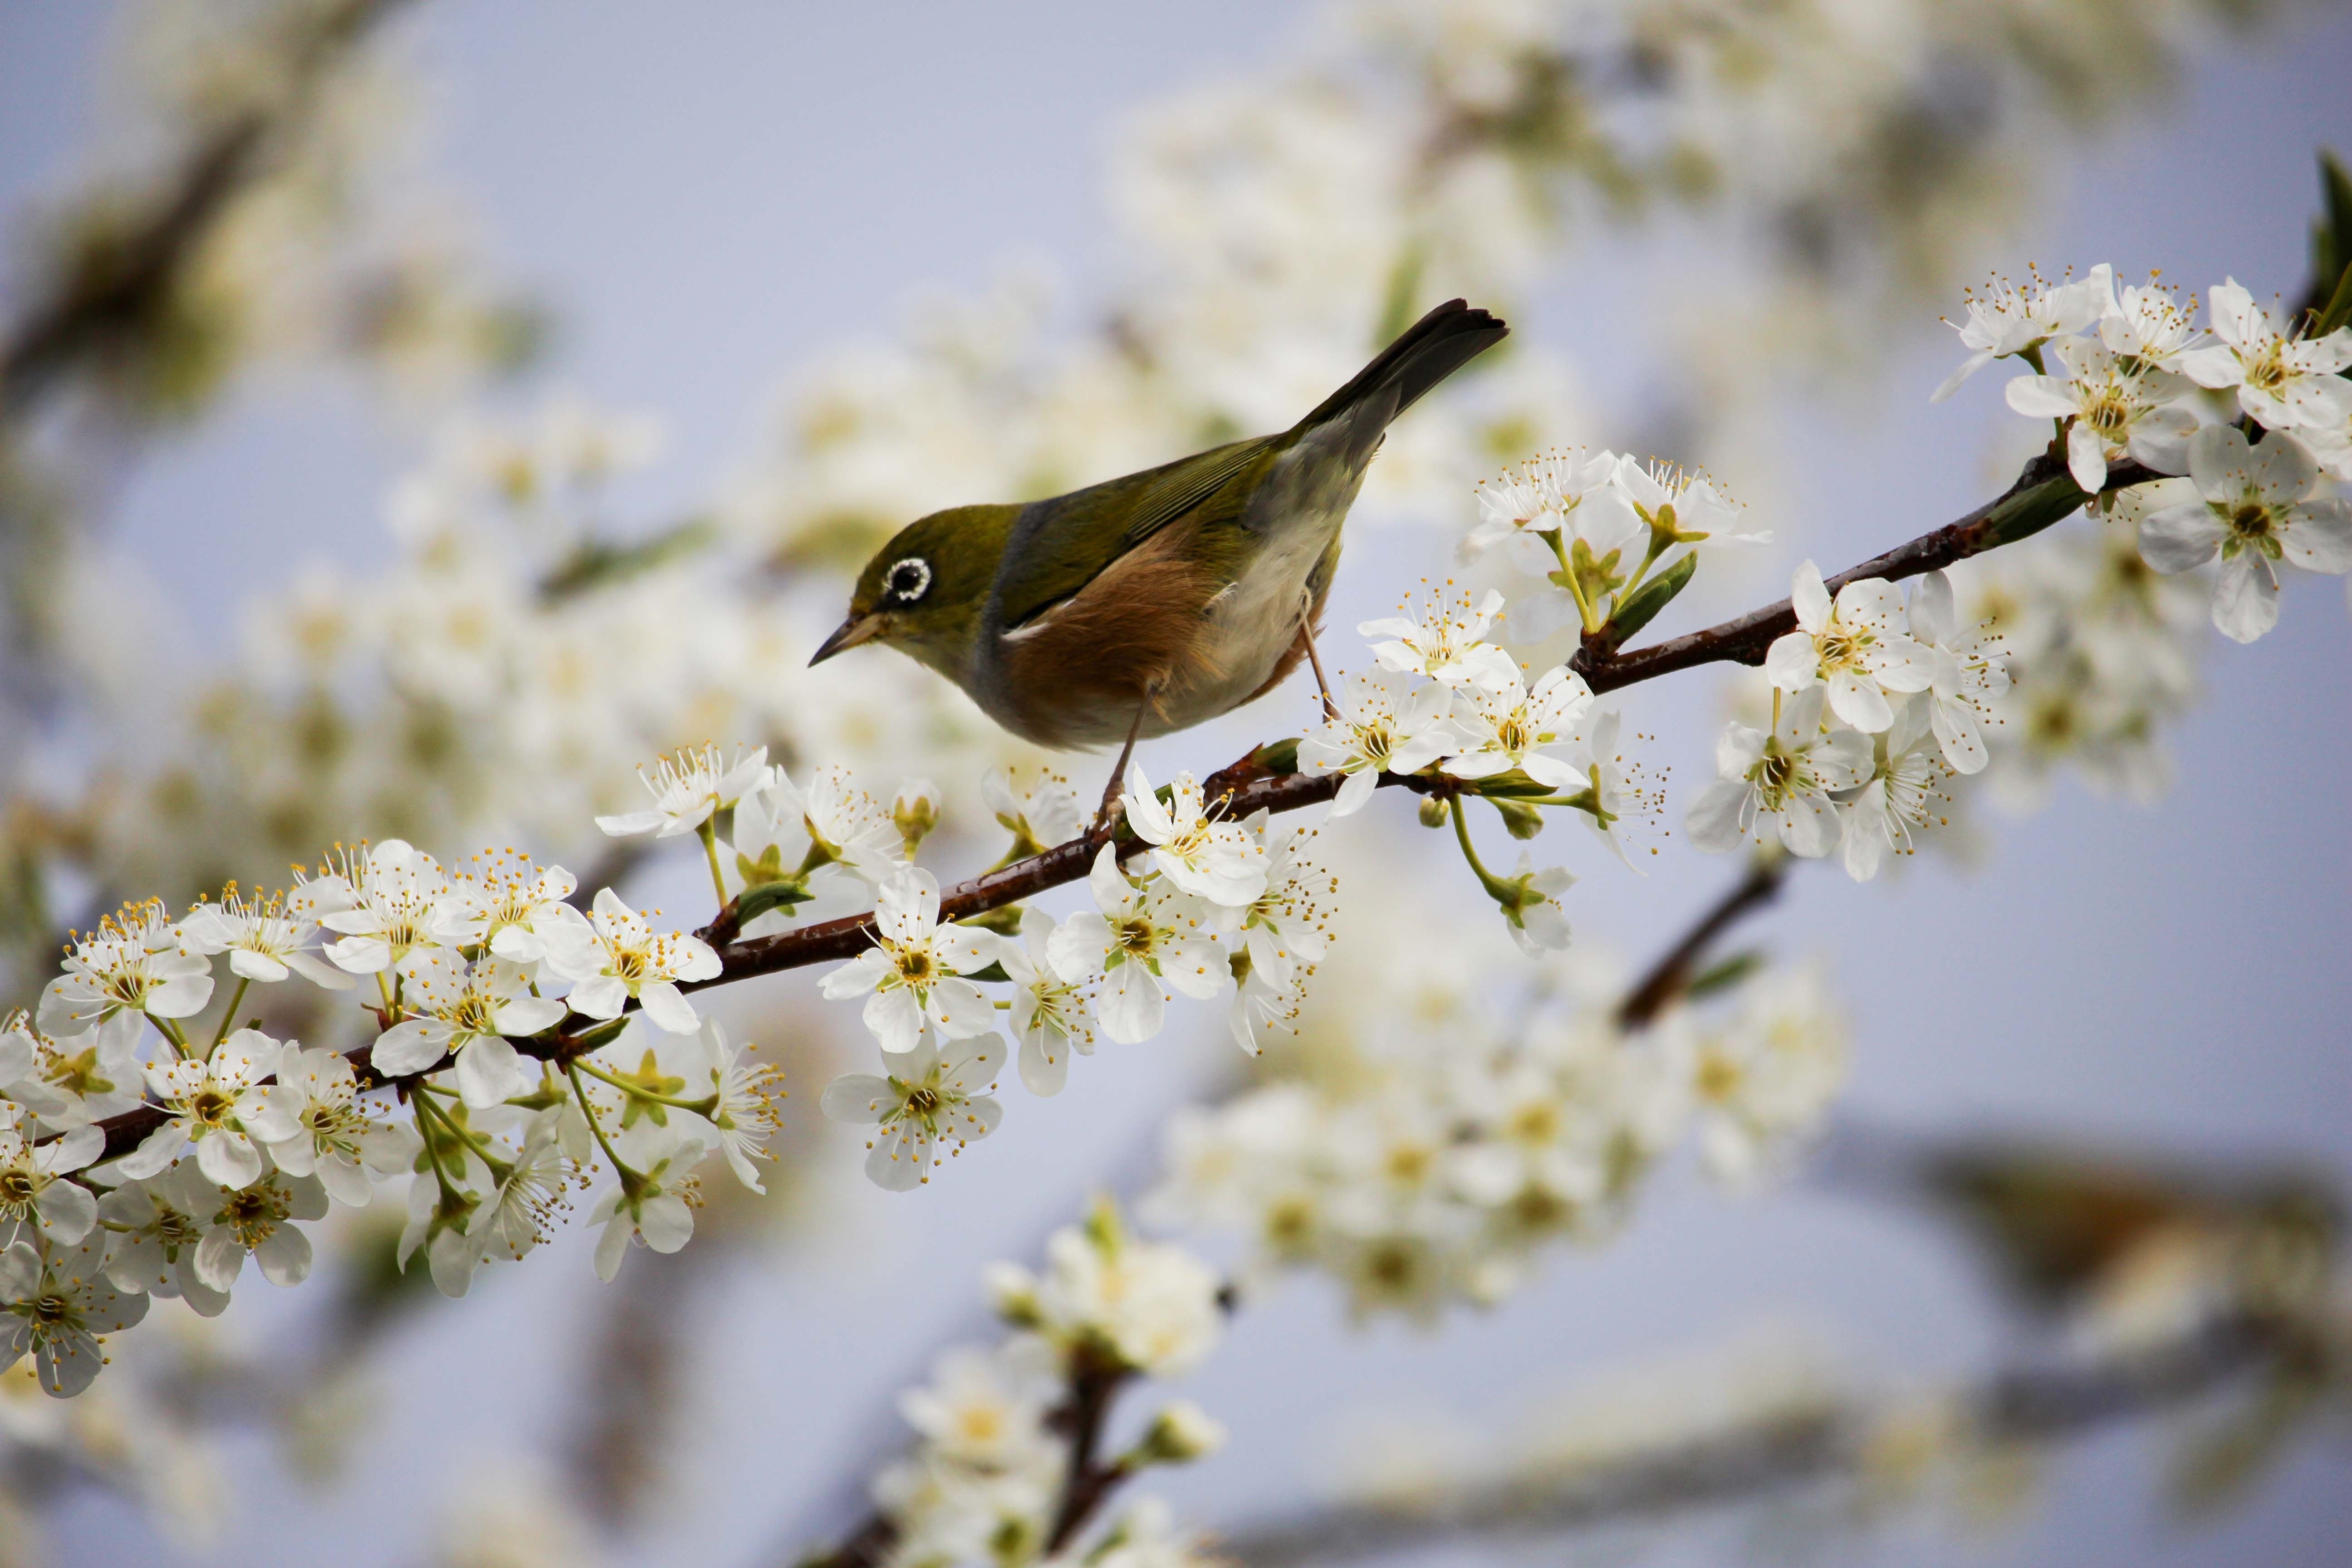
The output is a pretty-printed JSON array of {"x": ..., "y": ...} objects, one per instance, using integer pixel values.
[
  {"x": 1657, "y": 989},
  {"x": 1783, "y": 1452}
]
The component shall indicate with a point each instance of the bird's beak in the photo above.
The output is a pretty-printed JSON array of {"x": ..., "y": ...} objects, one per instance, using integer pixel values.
[{"x": 848, "y": 635}]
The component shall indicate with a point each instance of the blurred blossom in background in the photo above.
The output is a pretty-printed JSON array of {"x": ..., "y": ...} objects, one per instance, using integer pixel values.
[{"x": 538, "y": 375}]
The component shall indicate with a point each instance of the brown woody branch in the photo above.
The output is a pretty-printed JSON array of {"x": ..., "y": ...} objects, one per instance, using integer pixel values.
[
  {"x": 1779, "y": 1453},
  {"x": 107, "y": 298},
  {"x": 2041, "y": 496}
]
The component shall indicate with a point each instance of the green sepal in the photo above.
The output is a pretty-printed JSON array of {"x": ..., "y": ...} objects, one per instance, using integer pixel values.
[
  {"x": 1004, "y": 921},
  {"x": 1724, "y": 974},
  {"x": 1273, "y": 757},
  {"x": 759, "y": 898},
  {"x": 1511, "y": 784},
  {"x": 1642, "y": 605},
  {"x": 2023, "y": 515},
  {"x": 603, "y": 1034},
  {"x": 1520, "y": 821}
]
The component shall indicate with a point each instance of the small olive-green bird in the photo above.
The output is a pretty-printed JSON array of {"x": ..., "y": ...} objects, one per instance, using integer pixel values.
[{"x": 1146, "y": 604}]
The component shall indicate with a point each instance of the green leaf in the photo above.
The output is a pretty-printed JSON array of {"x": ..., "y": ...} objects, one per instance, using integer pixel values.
[
  {"x": 1724, "y": 974},
  {"x": 597, "y": 564},
  {"x": 2331, "y": 247},
  {"x": 1642, "y": 604},
  {"x": 602, "y": 1033},
  {"x": 753, "y": 901},
  {"x": 1004, "y": 920}
]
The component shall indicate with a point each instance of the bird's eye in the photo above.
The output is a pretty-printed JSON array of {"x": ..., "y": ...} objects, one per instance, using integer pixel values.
[{"x": 908, "y": 580}]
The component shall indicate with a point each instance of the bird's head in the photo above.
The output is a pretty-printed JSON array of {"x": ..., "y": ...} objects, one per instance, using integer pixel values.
[{"x": 924, "y": 592}]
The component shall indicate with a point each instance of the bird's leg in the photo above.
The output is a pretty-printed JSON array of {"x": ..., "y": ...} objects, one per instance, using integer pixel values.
[
  {"x": 1315, "y": 659},
  {"x": 1106, "y": 822}
]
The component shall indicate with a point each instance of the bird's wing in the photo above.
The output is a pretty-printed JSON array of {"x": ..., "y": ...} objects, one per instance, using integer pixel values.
[{"x": 1068, "y": 541}]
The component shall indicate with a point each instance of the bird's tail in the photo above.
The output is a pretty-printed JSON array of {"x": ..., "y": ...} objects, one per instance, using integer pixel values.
[{"x": 1425, "y": 354}]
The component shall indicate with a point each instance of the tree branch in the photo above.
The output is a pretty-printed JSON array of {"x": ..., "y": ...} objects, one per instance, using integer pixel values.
[
  {"x": 1263, "y": 782},
  {"x": 119, "y": 291},
  {"x": 1776, "y": 1453}
]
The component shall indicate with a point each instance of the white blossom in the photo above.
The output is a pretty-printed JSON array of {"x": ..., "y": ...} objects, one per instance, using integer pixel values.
[
  {"x": 1967, "y": 673},
  {"x": 688, "y": 788},
  {"x": 911, "y": 978},
  {"x": 2282, "y": 382},
  {"x": 156, "y": 1225},
  {"x": 510, "y": 905},
  {"x": 334, "y": 1139},
  {"x": 2255, "y": 508},
  {"x": 395, "y": 888},
  {"x": 2148, "y": 324},
  {"x": 1681, "y": 507},
  {"x": 746, "y": 1092},
  {"x": 2120, "y": 409},
  {"x": 651, "y": 1208},
  {"x": 135, "y": 962},
  {"x": 257, "y": 1219},
  {"x": 932, "y": 1096},
  {"x": 1141, "y": 941},
  {"x": 1447, "y": 644},
  {"x": 1051, "y": 1016},
  {"x": 55, "y": 1309},
  {"x": 1508, "y": 726},
  {"x": 985, "y": 1409},
  {"x": 2011, "y": 319},
  {"x": 34, "y": 1195},
  {"x": 1781, "y": 781},
  {"x": 1894, "y": 800},
  {"x": 1383, "y": 725},
  {"x": 1764, "y": 1083},
  {"x": 1858, "y": 645},
  {"x": 1218, "y": 860},
  {"x": 1151, "y": 1305},
  {"x": 468, "y": 1010},
  {"x": 514, "y": 1217},
  {"x": 264, "y": 941},
  {"x": 1045, "y": 815},
  {"x": 617, "y": 956},
  {"x": 219, "y": 1104}
]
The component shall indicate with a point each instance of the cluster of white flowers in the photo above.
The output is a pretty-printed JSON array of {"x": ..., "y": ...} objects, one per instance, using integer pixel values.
[
  {"x": 252, "y": 1134},
  {"x": 1441, "y": 1171},
  {"x": 2103, "y": 652},
  {"x": 2147, "y": 384},
  {"x": 992, "y": 1474},
  {"x": 1456, "y": 711},
  {"x": 1874, "y": 703},
  {"x": 1596, "y": 529},
  {"x": 1208, "y": 906}
]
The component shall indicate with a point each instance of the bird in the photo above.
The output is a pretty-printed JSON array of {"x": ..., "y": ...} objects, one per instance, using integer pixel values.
[{"x": 1149, "y": 603}]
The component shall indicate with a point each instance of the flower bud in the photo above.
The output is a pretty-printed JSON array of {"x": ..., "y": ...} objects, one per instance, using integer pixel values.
[
  {"x": 1523, "y": 821},
  {"x": 1179, "y": 1435},
  {"x": 1432, "y": 811},
  {"x": 915, "y": 811}
]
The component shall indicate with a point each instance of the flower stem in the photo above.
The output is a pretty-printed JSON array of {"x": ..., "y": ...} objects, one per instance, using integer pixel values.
[
  {"x": 1486, "y": 879},
  {"x": 628, "y": 1177},
  {"x": 228, "y": 1018},
  {"x": 702, "y": 1107},
  {"x": 708, "y": 832}
]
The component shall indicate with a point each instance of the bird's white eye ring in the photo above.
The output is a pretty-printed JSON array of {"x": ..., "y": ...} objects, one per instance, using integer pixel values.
[{"x": 908, "y": 580}]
